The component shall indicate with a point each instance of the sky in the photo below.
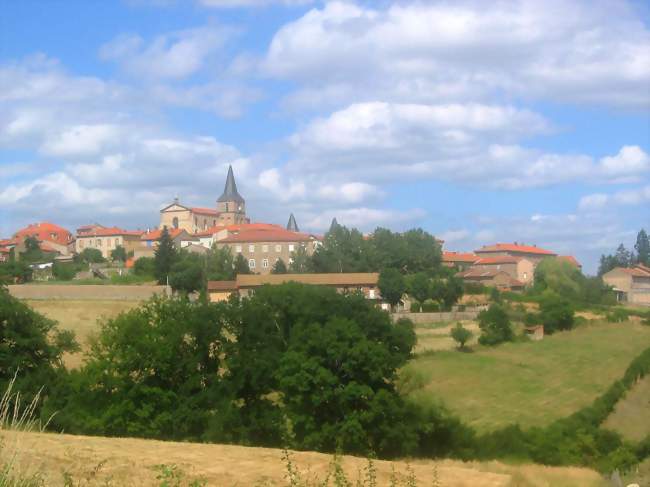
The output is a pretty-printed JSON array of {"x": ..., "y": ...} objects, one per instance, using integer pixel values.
[{"x": 527, "y": 121}]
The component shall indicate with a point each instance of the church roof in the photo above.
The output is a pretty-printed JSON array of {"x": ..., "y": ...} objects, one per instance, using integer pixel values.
[
  {"x": 230, "y": 190},
  {"x": 292, "y": 225}
]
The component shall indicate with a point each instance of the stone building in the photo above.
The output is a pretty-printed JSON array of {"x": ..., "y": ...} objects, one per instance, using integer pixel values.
[
  {"x": 51, "y": 238},
  {"x": 230, "y": 209},
  {"x": 631, "y": 285},
  {"x": 106, "y": 239},
  {"x": 531, "y": 252}
]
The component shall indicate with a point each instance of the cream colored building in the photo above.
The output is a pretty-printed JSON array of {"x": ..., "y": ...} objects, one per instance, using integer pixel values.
[
  {"x": 632, "y": 285},
  {"x": 106, "y": 239}
]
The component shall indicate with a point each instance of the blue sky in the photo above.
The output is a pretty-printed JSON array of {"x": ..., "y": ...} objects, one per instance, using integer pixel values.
[{"x": 527, "y": 122}]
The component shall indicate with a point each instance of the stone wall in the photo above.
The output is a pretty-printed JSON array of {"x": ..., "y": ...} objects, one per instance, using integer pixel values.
[
  {"x": 85, "y": 292},
  {"x": 425, "y": 318}
]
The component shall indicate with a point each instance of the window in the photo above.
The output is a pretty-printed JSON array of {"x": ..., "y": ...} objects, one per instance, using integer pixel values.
[
  {"x": 265, "y": 263},
  {"x": 265, "y": 248},
  {"x": 175, "y": 222},
  {"x": 238, "y": 249},
  {"x": 226, "y": 207},
  {"x": 251, "y": 249},
  {"x": 291, "y": 247},
  {"x": 99, "y": 243},
  {"x": 278, "y": 248},
  {"x": 251, "y": 263},
  {"x": 525, "y": 275}
]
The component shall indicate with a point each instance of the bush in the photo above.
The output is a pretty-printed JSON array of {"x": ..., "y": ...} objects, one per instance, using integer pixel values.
[
  {"x": 461, "y": 335},
  {"x": 430, "y": 306},
  {"x": 92, "y": 256},
  {"x": 144, "y": 266},
  {"x": 556, "y": 312},
  {"x": 415, "y": 307},
  {"x": 495, "y": 326},
  {"x": 475, "y": 288},
  {"x": 67, "y": 271},
  {"x": 617, "y": 315}
]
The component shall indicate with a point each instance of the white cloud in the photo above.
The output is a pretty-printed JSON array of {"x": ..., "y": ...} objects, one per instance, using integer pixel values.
[
  {"x": 627, "y": 197},
  {"x": 81, "y": 140},
  {"x": 580, "y": 52},
  {"x": 365, "y": 218},
  {"x": 175, "y": 55},
  {"x": 627, "y": 165},
  {"x": 250, "y": 3}
]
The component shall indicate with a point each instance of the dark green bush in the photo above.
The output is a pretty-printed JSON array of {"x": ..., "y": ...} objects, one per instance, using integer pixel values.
[
  {"x": 430, "y": 306},
  {"x": 495, "y": 326},
  {"x": 415, "y": 307}
]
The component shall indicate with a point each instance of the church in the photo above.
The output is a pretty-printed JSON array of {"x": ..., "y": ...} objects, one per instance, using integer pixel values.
[{"x": 230, "y": 210}]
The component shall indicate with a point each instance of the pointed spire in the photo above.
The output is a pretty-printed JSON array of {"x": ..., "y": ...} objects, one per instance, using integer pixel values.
[
  {"x": 230, "y": 190},
  {"x": 292, "y": 225},
  {"x": 334, "y": 225}
]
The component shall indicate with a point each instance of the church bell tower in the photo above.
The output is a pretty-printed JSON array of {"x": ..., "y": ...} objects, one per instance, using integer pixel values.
[{"x": 230, "y": 205}]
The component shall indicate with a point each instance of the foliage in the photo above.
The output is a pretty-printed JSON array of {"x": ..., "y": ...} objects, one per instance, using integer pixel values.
[
  {"x": 91, "y": 256},
  {"x": 474, "y": 288},
  {"x": 461, "y": 335},
  {"x": 66, "y": 271},
  {"x": 220, "y": 264},
  {"x": 15, "y": 271},
  {"x": 391, "y": 286},
  {"x": 119, "y": 254},
  {"x": 566, "y": 280},
  {"x": 32, "y": 252},
  {"x": 617, "y": 315},
  {"x": 240, "y": 265},
  {"x": 415, "y": 307},
  {"x": 300, "y": 262},
  {"x": 418, "y": 287},
  {"x": 642, "y": 247},
  {"x": 430, "y": 306},
  {"x": 29, "y": 344},
  {"x": 555, "y": 312},
  {"x": 187, "y": 273},
  {"x": 165, "y": 257},
  {"x": 145, "y": 266},
  {"x": 279, "y": 267},
  {"x": 447, "y": 291},
  {"x": 495, "y": 325},
  {"x": 343, "y": 250}
]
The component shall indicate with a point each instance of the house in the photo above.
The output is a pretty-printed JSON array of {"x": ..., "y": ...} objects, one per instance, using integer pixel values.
[
  {"x": 106, "y": 239},
  {"x": 51, "y": 238},
  {"x": 631, "y": 284},
  {"x": 6, "y": 246},
  {"x": 491, "y": 277},
  {"x": 531, "y": 252},
  {"x": 230, "y": 209},
  {"x": 519, "y": 268},
  {"x": 460, "y": 260},
  {"x": 150, "y": 240},
  {"x": 245, "y": 284}
]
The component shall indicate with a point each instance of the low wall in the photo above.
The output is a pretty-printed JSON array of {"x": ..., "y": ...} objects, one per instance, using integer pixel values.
[
  {"x": 85, "y": 292},
  {"x": 425, "y": 318}
]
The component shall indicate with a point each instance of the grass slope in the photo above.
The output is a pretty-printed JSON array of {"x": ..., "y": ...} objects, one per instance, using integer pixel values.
[
  {"x": 530, "y": 383},
  {"x": 631, "y": 417},
  {"x": 82, "y": 317},
  {"x": 125, "y": 461}
]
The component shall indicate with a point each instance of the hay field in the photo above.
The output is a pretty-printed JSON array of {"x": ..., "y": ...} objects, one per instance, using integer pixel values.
[
  {"x": 530, "y": 383},
  {"x": 631, "y": 416},
  {"x": 127, "y": 462},
  {"x": 82, "y": 317}
]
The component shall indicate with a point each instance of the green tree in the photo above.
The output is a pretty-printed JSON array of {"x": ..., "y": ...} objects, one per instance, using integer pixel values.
[
  {"x": 187, "y": 273},
  {"x": 33, "y": 252},
  {"x": 642, "y": 247},
  {"x": 300, "y": 262},
  {"x": 279, "y": 267},
  {"x": 447, "y": 291},
  {"x": 65, "y": 271},
  {"x": 220, "y": 264},
  {"x": 92, "y": 256},
  {"x": 30, "y": 344},
  {"x": 418, "y": 286},
  {"x": 556, "y": 312},
  {"x": 558, "y": 276},
  {"x": 118, "y": 254},
  {"x": 343, "y": 250},
  {"x": 15, "y": 271},
  {"x": 607, "y": 263},
  {"x": 165, "y": 257},
  {"x": 461, "y": 335},
  {"x": 624, "y": 257},
  {"x": 145, "y": 266},
  {"x": 495, "y": 325},
  {"x": 154, "y": 371},
  {"x": 241, "y": 265},
  {"x": 391, "y": 286}
]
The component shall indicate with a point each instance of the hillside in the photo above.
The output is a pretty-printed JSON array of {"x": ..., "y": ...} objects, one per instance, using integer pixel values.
[
  {"x": 127, "y": 461},
  {"x": 530, "y": 383}
]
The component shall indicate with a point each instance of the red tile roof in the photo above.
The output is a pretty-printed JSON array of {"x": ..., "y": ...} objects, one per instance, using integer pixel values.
[
  {"x": 637, "y": 271},
  {"x": 499, "y": 259},
  {"x": 7, "y": 242},
  {"x": 99, "y": 231},
  {"x": 516, "y": 248},
  {"x": 205, "y": 211},
  {"x": 156, "y": 234},
  {"x": 489, "y": 274},
  {"x": 270, "y": 235},
  {"x": 448, "y": 256},
  {"x": 45, "y": 231}
]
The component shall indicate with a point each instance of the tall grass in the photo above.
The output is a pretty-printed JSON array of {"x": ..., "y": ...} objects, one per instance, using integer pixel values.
[{"x": 15, "y": 415}]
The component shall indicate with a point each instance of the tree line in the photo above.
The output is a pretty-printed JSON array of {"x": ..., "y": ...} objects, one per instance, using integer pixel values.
[{"x": 627, "y": 258}]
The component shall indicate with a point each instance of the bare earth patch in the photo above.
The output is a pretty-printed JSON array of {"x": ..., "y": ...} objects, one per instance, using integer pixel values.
[{"x": 127, "y": 461}]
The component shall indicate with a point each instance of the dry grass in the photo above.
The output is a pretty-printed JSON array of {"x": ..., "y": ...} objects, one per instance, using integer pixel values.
[
  {"x": 125, "y": 461},
  {"x": 530, "y": 383},
  {"x": 439, "y": 338},
  {"x": 631, "y": 417},
  {"x": 82, "y": 317}
]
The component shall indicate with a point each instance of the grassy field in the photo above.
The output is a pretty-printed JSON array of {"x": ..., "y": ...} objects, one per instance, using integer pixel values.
[
  {"x": 436, "y": 337},
  {"x": 94, "y": 461},
  {"x": 82, "y": 317},
  {"x": 631, "y": 417},
  {"x": 530, "y": 383}
]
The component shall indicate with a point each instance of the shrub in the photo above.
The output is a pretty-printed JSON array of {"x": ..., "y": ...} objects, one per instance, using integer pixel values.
[
  {"x": 430, "y": 306},
  {"x": 617, "y": 315},
  {"x": 415, "y": 307},
  {"x": 495, "y": 326},
  {"x": 144, "y": 266},
  {"x": 461, "y": 335},
  {"x": 65, "y": 272},
  {"x": 474, "y": 288},
  {"x": 556, "y": 312}
]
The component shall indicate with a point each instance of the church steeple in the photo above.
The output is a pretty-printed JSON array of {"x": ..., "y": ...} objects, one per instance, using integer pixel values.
[
  {"x": 292, "y": 225},
  {"x": 334, "y": 225},
  {"x": 230, "y": 190}
]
